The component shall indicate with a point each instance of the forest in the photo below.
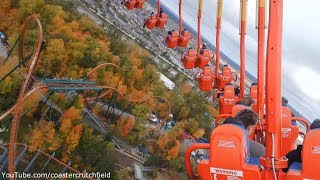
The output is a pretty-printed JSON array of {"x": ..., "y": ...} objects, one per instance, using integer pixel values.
[{"x": 74, "y": 45}]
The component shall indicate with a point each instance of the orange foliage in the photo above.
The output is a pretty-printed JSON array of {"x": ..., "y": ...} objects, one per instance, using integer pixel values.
[
  {"x": 69, "y": 118},
  {"x": 138, "y": 73},
  {"x": 115, "y": 59},
  {"x": 169, "y": 146},
  {"x": 125, "y": 126},
  {"x": 174, "y": 151},
  {"x": 186, "y": 88},
  {"x": 43, "y": 136},
  {"x": 122, "y": 88},
  {"x": 104, "y": 44},
  {"x": 72, "y": 140}
]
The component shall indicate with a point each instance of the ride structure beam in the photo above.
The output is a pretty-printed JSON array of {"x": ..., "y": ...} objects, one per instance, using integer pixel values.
[
  {"x": 16, "y": 67},
  {"x": 199, "y": 25},
  {"x": 273, "y": 161},
  {"x": 243, "y": 20},
  {"x": 77, "y": 88},
  {"x": 180, "y": 17},
  {"x": 67, "y": 81},
  {"x": 28, "y": 168},
  {"x": 218, "y": 28},
  {"x": 11, "y": 50},
  {"x": 159, "y": 5},
  {"x": 261, "y": 59}
]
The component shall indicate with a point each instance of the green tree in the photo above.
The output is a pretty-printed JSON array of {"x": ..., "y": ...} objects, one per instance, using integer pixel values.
[
  {"x": 141, "y": 112},
  {"x": 55, "y": 59},
  {"x": 27, "y": 7}
]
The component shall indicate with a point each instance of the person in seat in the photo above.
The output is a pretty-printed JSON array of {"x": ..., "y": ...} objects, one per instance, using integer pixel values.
[
  {"x": 204, "y": 46},
  {"x": 124, "y": 1},
  {"x": 160, "y": 13},
  {"x": 236, "y": 90},
  {"x": 152, "y": 13},
  {"x": 248, "y": 119},
  {"x": 295, "y": 155},
  {"x": 284, "y": 101},
  {"x": 247, "y": 101}
]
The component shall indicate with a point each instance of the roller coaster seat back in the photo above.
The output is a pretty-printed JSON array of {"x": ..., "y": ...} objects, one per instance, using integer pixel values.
[
  {"x": 139, "y": 4},
  {"x": 151, "y": 22},
  {"x": 189, "y": 59},
  {"x": 161, "y": 20},
  {"x": 310, "y": 158},
  {"x": 289, "y": 132},
  {"x": 203, "y": 59},
  {"x": 254, "y": 96},
  {"x": 225, "y": 77},
  {"x": 254, "y": 107},
  {"x": 227, "y": 100},
  {"x": 130, "y": 5},
  {"x": 254, "y": 92},
  {"x": 184, "y": 38},
  {"x": 172, "y": 40},
  {"x": 229, "y": 155},
  {"x": 206, "y": 79}
]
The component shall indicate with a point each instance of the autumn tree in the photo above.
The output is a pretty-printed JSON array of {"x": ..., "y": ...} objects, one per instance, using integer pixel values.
[
  {"x": 43, "y": 136},
  {"x": 27, "y": 7},
  {"x": 124, "y": 126},
  {"x": 55, "y": 59},
  {"x": 141, "y": 112},
  {"x": 93, "y": 153}
]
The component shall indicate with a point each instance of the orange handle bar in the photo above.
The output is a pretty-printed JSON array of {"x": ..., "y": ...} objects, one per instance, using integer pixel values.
[
  {"x": 302, "y": 120},
  {"x": 215, "y": 95},
  {"x": 235, "y": 76},
  {"x": 187, "y": 157}
]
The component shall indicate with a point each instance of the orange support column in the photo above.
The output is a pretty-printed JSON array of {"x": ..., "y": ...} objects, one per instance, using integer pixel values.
[
  {"x": 273, "y": 162},
  {"x": 199, "y": 25},
  {"x": 242, "y": 46},
  {"x": 180, "y": 17},
  {"x": 261, "y": 59},
  {"x": 159, "y": 8},
  {"x": 220, "y": 2}
]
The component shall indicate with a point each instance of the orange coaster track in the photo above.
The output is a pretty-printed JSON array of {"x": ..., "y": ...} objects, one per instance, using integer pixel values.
[{"x": 34, "y": 59}]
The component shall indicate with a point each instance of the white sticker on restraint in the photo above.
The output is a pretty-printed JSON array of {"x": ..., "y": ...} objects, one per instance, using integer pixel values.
[
  {"x": 226, "y": 144},
  {"x": 227, "y": 172},
  {"x": 286, "y": 132},
  {"x": 315, "y": 149}
]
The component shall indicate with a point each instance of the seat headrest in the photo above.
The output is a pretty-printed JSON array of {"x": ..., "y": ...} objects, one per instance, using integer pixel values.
[
  {"x": 175, "y": 33},
  {"x": 191, "y": 52},
  {"x": 254, "y": 91},
  {"x": 186, "y": 33},
  {"x": 206, "y": 52},
  {"x": 226, "y": 69},
  {"x": 311, "y": 154},
  {"x": 228, "y": 91},
  {"x": 207, "y": 71},
  {"x": 229, "y": 142}
]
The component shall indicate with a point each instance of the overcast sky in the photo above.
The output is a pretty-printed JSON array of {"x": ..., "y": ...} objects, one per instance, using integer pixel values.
[{"x": 301, "y": 42}]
